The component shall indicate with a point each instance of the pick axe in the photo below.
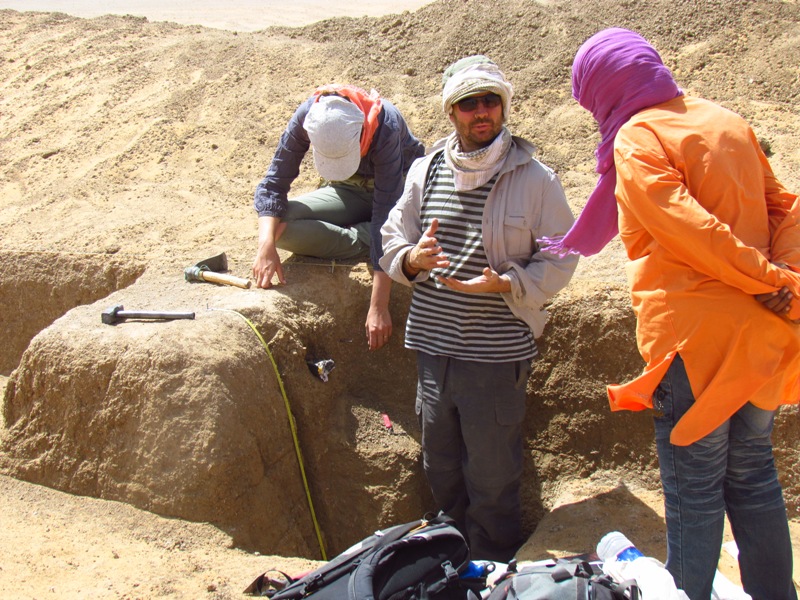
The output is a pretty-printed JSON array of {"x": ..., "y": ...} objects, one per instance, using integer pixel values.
[
  {"x": 211, "y": 270},
  {"x": 117, "y": 313}
]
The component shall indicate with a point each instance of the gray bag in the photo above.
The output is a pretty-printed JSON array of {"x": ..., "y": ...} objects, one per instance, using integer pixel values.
[{"x": 566, "y": 579}]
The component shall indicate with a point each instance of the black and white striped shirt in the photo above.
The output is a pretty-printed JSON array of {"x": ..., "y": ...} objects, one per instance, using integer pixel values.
[{"x": 441, "y": 321}]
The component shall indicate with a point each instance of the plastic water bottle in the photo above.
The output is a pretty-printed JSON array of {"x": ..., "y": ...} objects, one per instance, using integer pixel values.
[
  {"x": 474, "y": 570},
  {"x": 477, "y": 569},
  {"x": 622, "y": 561}
]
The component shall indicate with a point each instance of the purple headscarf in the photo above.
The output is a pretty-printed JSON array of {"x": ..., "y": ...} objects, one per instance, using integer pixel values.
[{"x": 615, "y": 74}]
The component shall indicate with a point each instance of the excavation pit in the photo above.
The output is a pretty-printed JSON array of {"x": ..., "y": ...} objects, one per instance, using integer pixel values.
[{"x": 190, "y": 418}]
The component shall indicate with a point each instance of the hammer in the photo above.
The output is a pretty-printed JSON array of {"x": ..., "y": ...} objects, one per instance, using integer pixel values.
[
  {"x": 111, "y": 316},
  {"x": 201, "y": 273}
]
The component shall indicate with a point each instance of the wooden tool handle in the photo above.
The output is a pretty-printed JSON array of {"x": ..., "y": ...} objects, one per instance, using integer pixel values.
[{"x": 225, "y": 279}]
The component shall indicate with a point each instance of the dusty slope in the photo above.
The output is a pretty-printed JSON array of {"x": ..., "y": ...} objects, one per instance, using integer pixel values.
[
  {"x": 105, "y": 119},
  {"x": 145, "y": 140},
  {"x": 243, "y": 15}
]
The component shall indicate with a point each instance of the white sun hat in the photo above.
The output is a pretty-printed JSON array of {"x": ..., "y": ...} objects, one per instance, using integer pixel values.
[{"x": 334, "y": 127}]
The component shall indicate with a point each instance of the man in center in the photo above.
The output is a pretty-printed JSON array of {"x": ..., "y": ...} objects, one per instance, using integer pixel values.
[{"x": 464, "y": 236}]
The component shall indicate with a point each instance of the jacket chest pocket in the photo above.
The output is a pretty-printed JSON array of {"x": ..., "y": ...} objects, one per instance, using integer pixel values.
[{"x": 518, "y": 236}]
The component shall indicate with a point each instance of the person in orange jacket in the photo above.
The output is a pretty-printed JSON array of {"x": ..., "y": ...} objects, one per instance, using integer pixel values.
[{"x": 714, "y": 248}]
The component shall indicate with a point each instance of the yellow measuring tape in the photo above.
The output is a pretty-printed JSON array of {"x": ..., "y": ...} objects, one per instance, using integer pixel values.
[{"x": 292, "y": 426}]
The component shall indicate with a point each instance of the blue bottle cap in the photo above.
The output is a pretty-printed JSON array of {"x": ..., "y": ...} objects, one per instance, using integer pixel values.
[
  {"x": 630, "y": 553},
  {"x": 473, "y": 570}
]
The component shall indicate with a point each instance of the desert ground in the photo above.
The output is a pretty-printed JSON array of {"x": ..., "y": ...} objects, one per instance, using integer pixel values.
[
  {"x": 159, "y": 460},
  {"x": 242, "y": 15}
]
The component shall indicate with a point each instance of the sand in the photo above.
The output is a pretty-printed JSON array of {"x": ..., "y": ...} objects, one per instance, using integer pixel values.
[
  {"x": 143, "y": 140},
  {"x": 236, "y": 15}
]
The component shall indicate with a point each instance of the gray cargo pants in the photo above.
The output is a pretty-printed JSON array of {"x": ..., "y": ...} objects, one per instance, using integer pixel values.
[{"x": 471, "y": 417}]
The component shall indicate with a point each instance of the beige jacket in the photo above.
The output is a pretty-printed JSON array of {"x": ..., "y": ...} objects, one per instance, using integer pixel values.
[{"x": 526, "y": 203}]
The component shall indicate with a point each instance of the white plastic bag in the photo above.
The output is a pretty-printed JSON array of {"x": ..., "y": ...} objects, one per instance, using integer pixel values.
[
  {"x": 654, "y": 581},
  {"x": 623, "y": 561},
  {"x": 724, "y": 589}
]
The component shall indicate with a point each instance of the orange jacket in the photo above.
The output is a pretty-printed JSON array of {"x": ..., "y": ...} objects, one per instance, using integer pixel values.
[{"x": 703, "y": 219}]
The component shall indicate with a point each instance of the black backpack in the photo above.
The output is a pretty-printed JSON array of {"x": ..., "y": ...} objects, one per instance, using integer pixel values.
[
  {"x": 421, "y": 560},
  {"x": 566, "y": 579}
]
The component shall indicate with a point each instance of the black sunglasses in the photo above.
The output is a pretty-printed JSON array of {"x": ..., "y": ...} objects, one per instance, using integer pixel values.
[{"x": 471, "y": 104}]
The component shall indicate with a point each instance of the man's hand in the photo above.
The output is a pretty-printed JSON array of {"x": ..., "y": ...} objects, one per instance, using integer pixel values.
[
  {"x": 426, "y": 254},
  {"x": 379, "y": 327},
  {"x": 379, "y": 321},
  {"x": 778, "y": 302},
  {"x": 490, "y": 281}
]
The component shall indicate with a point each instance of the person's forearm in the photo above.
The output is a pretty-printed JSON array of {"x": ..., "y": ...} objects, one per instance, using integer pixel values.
[
  {"x": 379, "y": 321},
  {"x": 409, "y": 270},
  {"x": 267, "y": 262},
  {"x": 381, "y": 290},
  {"x": 268, "y": 230}
]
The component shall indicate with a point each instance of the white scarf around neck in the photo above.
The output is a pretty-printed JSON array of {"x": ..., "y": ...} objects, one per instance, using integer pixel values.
[{"x": 473, "y": 169}]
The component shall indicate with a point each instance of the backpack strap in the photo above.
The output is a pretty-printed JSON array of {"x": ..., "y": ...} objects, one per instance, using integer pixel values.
[
  {"x": 450, "y": 576},
  {"x": 561, "y": 573},
  {"x": 582, "y": 587},
  {"x": 605, "y": 588},
  {"x": 630, "y": 586},
  {"x": 388, "y": 536}
]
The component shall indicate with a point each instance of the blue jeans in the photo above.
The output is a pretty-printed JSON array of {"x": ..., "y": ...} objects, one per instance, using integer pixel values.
[{"x": 730, "y": 470}]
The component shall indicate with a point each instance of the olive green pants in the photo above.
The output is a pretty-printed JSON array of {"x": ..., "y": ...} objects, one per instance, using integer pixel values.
[{"x": 331, "y": 222}]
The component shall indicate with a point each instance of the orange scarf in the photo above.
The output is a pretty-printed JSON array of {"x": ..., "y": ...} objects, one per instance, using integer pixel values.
[{"x": 368, "y": 103}]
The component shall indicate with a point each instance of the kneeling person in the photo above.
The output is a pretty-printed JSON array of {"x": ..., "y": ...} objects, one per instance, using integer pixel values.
[{"x": 363, "y": 147}]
